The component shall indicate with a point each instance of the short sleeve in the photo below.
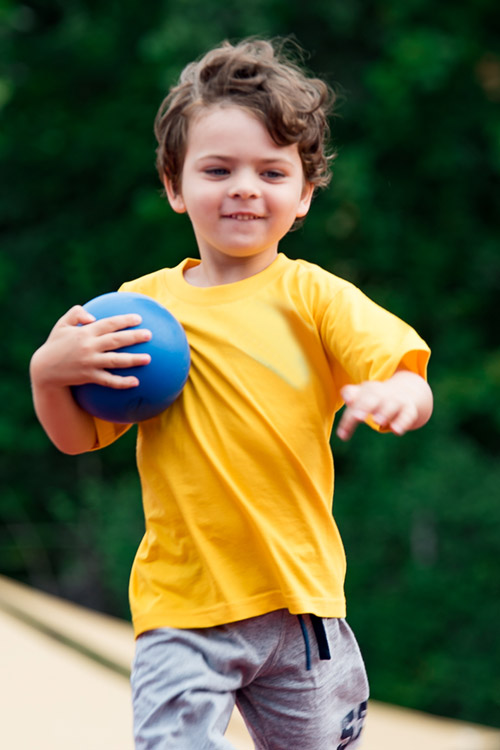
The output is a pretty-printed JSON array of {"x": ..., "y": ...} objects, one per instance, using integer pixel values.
[
  {"x": 366, "y": 342},
  {"x": 108, "y": 432}
]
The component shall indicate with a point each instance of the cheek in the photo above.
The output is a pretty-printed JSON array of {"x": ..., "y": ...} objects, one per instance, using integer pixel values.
[
  {"x": 203, "y": 206},
  {"x": 204, "y": 202},
  {"x": 291, "y": 203},
  {"x": 196, "y": 196}
]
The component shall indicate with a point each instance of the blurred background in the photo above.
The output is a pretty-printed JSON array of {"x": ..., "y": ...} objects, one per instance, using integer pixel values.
[{"x": 412, "y": 217}]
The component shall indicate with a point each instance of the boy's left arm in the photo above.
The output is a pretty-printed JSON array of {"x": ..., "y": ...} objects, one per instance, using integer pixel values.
[{"x": 403, "y": 402}]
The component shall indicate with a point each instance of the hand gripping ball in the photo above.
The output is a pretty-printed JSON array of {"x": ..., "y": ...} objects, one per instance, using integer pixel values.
[{"x": 161, "y": 381}]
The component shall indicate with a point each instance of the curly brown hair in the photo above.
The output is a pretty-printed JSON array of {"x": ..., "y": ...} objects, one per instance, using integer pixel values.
[{"x": 262, "y": 78}]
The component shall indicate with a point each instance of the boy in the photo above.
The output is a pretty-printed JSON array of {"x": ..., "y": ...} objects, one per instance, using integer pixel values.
[{"x": 237, "y": 587}]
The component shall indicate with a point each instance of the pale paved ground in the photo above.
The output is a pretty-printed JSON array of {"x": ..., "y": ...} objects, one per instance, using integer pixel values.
[{"x": 54, "y": 697}]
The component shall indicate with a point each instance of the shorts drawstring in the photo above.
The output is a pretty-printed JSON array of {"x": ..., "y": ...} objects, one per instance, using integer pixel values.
[{"x": 321, "y": 639}]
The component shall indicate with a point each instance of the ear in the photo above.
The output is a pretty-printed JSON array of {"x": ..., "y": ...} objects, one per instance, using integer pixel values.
[
  {"x": 305, "y": 200},
  {"x": 174, "y": 198}
]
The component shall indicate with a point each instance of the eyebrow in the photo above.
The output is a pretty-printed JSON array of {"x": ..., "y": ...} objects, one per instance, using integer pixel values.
[{"x": 270, "y": 160}]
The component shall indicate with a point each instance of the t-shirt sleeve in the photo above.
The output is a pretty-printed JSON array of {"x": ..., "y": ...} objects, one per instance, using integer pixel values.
[
  {"x": 108, "y": 432},
  {"x": 366, "y": 342}
]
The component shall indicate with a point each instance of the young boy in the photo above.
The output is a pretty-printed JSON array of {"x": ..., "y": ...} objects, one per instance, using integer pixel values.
[{"x": 237, "y": 588}]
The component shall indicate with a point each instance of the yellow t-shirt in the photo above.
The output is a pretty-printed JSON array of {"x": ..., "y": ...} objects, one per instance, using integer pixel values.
[{"x": 237, "y": 474}]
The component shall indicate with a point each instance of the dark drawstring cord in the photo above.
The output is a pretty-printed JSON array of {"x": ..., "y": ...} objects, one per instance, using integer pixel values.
[
  {"x": 320, "y": 633},
  {"x": 321, "y": 639},
  {"x": 306, "y": 641}
]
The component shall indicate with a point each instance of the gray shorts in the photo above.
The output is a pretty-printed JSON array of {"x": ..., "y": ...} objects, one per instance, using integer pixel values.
[{"x": 185, "y": 684}]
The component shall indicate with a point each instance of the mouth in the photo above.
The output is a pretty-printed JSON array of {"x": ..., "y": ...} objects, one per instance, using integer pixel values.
[{"x": 242, "y": 217}]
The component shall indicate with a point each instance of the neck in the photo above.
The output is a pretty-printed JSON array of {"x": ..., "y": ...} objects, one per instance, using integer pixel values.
[{"x": 228, "y": 270}]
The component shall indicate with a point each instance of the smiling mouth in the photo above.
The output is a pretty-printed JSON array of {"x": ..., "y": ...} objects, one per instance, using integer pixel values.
[{"x": 242, "y": 217}]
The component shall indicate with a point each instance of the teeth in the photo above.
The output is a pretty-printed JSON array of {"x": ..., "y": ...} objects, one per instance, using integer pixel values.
[{"x": 242, "y": 217}]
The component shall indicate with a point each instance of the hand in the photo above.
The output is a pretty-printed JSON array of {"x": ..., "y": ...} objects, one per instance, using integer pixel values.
[
  {"x": 81, "y": 349},
  {"x": 401, "y": 403}
]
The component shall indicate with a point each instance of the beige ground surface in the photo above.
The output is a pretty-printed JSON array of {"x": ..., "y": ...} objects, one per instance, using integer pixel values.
[{"x": 63, "y": 687}]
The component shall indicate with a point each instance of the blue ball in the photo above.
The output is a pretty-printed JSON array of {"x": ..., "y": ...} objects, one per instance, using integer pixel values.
[{"x": 161, "y": 381}]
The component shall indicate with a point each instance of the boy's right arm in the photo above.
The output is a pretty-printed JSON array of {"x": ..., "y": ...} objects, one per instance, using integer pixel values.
[{"x": 81, "y": 350}]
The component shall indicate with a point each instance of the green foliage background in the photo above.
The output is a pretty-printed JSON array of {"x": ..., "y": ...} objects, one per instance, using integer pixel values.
[{"x": 411, "y": 217}]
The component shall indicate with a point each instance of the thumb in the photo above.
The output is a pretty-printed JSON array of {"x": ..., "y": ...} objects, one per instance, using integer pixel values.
[{"x": 349, "y": 393}]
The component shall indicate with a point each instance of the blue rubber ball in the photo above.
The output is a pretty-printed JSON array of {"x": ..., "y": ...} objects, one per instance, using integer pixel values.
[{"x": 161, "y": 381}]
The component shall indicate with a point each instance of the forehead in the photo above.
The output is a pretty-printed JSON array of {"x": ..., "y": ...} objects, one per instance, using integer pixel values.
[{"x": 224, "y": 128}]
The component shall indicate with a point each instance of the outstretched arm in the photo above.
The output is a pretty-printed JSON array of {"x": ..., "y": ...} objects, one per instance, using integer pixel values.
[
  {"x": 401, "y": 403},
  {"x": 80, "y": 350}
]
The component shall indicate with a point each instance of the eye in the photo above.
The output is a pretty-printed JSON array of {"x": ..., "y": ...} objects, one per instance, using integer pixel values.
[
  {"x": 273, "y": 174},
  {"x": 216, "y": 171}
]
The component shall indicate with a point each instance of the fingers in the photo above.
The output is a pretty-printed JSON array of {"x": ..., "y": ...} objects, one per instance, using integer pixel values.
[
  {"x": 122, "y": 360},
  {"x": 109, "y": 339},
  {"x": 77, "y": 315},
  {"x": 108, "y": 336},
  {"x": 110, "y": 342},
  {"x": 111, "y": 357},
  {"x": 117, "y": 323},
  {"x": 99, "y": 369},
  {"x": 81, "y": 349},
  {"x": 404, "y": 419},
  {"x": 111, "y": 380},
  {"x": 351, "y": 417},
  {"x": 375, "y": 400}
]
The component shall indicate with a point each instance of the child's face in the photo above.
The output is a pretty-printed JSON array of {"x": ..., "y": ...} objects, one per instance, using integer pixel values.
[{"x": 240, "y": 189}]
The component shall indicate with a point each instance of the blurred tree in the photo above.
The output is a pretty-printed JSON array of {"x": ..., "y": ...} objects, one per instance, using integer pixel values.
[{"x": 411, "y": 217}]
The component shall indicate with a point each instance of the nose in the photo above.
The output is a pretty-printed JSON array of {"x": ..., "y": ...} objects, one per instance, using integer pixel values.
[{"x": 244, "y": 186}]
